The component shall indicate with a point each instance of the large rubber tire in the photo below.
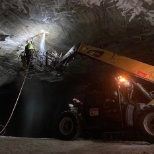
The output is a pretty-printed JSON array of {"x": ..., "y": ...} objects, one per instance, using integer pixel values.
[
  {"x": 146, "y": 123},
  {"x": 68, "y": 126}
]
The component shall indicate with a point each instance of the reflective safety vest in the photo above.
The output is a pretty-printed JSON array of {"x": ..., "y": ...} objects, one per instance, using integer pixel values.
[{"x": 31, "y": 46}]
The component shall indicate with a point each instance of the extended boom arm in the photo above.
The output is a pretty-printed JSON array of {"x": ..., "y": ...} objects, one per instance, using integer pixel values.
[{"x": 135, "y": 67}]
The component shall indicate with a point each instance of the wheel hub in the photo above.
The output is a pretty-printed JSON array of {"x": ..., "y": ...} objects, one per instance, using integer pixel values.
[
  {"x": 66, "y": 126},
  {"x": 149, "y": 123}
]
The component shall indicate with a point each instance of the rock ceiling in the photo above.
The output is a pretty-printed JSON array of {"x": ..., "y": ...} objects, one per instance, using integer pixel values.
[{"x": 121, "y": 26}]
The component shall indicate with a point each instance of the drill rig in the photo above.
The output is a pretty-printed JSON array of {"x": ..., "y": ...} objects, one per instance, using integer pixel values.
[{"x": 114, "y": 104}]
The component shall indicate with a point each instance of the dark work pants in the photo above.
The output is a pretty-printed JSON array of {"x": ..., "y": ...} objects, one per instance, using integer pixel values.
[{"x": 28, "y": 59}]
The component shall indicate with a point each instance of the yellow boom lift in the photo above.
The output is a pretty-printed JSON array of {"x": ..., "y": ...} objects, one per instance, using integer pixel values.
[{"x": 118, "y": 102}]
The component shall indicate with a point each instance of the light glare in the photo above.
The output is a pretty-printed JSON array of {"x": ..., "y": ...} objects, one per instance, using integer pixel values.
[
  {"x": 122, "y": 79},
  {"x": 44, "y": 31}
]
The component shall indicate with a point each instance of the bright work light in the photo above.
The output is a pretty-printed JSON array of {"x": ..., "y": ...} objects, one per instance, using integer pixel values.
[{"x": 44, "y": 31}]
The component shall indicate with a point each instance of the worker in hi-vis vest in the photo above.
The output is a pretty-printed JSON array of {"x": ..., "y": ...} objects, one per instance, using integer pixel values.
[{"x": 29, "y": 51}]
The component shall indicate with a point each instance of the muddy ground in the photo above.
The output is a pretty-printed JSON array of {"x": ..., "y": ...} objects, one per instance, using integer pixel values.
[{"x": 11, "y": 145}]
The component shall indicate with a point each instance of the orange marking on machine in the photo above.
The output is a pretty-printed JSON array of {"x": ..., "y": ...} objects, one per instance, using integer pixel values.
[{"x": 142, "y": 74}]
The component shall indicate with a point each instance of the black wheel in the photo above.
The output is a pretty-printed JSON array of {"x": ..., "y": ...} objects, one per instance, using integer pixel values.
[
  {"x": 68, "y": 126},
  {"x": 146, "y": 123}
]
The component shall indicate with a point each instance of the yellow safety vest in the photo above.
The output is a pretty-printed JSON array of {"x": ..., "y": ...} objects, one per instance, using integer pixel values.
[{"x": 31, "y": 46}]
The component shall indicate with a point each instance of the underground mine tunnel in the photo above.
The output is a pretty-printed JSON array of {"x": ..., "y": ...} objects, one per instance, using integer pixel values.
[{"x": 124, "y": 27}]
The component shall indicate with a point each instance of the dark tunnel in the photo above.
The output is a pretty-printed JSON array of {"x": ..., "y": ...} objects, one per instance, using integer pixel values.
[{"x": 124, "y": 27}]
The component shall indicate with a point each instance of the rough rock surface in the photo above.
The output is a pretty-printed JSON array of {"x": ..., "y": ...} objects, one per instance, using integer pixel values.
[{"x": 123, "y": 26}]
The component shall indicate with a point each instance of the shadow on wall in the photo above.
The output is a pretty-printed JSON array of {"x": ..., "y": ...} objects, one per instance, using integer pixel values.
[{"x": 38, "y": 108}]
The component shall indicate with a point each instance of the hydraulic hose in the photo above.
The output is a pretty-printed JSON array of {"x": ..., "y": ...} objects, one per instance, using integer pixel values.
[
  {"x": 121, "y": 115},
  {"x": 144, "y": 91}
]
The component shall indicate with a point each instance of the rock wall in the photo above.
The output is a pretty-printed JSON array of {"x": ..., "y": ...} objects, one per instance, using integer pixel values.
[
  {"x": 71, "y": 21},
  {"x": 103, "y": 23}
]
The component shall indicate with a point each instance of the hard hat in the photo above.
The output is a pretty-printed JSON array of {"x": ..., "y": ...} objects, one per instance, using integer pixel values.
[{"x": 28, "y": 41}]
